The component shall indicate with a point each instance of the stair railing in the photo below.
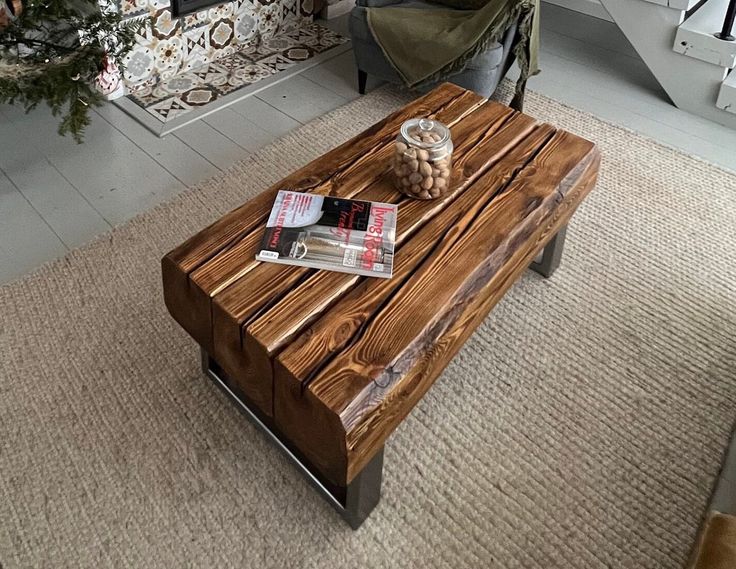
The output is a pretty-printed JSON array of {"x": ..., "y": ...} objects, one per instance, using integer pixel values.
[{"x": 725, "y": 33}]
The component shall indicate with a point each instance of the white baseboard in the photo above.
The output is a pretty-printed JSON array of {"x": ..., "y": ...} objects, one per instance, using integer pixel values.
[{"x": 590, "y": 7}]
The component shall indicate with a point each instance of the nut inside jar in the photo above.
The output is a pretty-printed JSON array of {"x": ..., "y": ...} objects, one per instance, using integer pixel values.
[{"x": 422, "y": 159}]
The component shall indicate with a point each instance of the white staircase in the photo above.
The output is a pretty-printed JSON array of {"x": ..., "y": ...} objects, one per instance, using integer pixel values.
[
  {"x": 696, "y": 36},
  {"x": 676, "y": 39},
  {"x": 727, "y": 95}
]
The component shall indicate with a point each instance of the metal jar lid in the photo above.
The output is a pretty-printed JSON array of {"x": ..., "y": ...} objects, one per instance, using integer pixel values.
[{"x": 439, "y": 147}]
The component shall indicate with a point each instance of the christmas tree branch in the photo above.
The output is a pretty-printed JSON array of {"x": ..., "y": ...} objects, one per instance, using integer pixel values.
[{"x": 54, "y": 51}]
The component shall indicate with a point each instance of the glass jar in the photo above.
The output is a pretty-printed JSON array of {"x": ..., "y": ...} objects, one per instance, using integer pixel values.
[{"x": 422, "y": 159}]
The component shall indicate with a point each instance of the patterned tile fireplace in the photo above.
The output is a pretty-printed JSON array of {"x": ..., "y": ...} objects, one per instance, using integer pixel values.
[
  {"x": 171, "y": 99},
  {"x": 174, "y": 44},
  {"x": 187, "y": 66}
]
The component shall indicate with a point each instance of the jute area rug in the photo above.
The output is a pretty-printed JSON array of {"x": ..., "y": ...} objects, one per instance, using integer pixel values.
[{"x": 582, "y": 426}]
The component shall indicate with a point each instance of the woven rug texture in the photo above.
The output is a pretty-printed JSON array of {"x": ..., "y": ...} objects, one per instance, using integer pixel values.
[{"x": 582, "y": 425}]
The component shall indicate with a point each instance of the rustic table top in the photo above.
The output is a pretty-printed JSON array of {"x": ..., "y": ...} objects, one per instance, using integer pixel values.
[{"x": 336, "y": 361}]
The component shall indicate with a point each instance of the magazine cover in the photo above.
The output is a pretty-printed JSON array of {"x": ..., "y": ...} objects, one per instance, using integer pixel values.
[{"x": 323, "y": 232}]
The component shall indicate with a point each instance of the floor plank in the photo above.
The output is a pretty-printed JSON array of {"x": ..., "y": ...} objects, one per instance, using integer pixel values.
[
  {"x": 240, "y": 130},
  {"x": 59, "y": 203},
  {"x": 619, "y": 113},
  {"x": 181, "y": 161},
  {"x": 63, "y": 208},
  {"x": 641, "y": 106},
  {"x": 264, "y": 116},
  {"x": 110, "y": 171},
  {"x": 592, "y": 31},
  {"x": 26, "y": 240},
  {"x": 339, "y": 75},
  {"x": 301, "y": 99},
  {"x": 213, "y": 145},
  {"x": 611, "y": 62}
]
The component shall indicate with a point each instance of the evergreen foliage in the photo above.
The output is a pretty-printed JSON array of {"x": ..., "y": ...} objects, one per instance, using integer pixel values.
[{"x": 53, "y": 50}]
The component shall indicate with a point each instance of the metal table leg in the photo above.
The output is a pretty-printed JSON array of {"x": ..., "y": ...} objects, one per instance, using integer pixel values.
[
  {"x": 353, "y": 502},
  {"x": 549, "y": 259}
]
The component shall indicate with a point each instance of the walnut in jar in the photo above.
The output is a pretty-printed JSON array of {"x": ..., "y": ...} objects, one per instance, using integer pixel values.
[{"x": 422, "y": 159}]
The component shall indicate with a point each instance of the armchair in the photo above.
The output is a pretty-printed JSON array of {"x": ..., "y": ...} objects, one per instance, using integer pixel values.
[{"x": 482, "y": 73}]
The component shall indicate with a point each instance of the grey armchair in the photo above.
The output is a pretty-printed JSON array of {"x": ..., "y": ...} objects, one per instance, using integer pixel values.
[{"x": 482, "y": 73}]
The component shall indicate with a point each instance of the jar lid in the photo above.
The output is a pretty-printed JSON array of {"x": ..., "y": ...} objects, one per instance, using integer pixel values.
[{"x": 413, "y": 128}]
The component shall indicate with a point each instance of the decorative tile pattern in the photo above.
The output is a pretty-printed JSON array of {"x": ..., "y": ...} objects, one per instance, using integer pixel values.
[
  {"x": 197, "y": 86},
  {"x": 171, "y": 45}
]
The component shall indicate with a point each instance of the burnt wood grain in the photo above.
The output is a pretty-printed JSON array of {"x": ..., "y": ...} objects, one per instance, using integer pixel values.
[
  {"x": 336, "y": 361},
  {"x": 182, "y": 299},
  {"x": 236, "y": 305}
]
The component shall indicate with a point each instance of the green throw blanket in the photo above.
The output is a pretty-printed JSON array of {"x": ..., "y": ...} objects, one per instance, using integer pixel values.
[{"x": 425, "y": 46}]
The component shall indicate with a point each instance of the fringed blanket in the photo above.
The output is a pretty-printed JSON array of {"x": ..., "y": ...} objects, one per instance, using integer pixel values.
[{"x": 425, "y": 46}]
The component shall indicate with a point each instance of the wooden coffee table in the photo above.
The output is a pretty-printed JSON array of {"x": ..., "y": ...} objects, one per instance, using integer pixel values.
[{"x": 328, "y": 364}]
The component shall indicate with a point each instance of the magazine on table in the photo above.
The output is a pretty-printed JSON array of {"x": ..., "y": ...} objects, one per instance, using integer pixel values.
[{"x": 323, "y": 232}]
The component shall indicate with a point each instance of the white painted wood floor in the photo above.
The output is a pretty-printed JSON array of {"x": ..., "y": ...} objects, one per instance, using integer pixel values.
[{"x": 56, "y": 195}]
